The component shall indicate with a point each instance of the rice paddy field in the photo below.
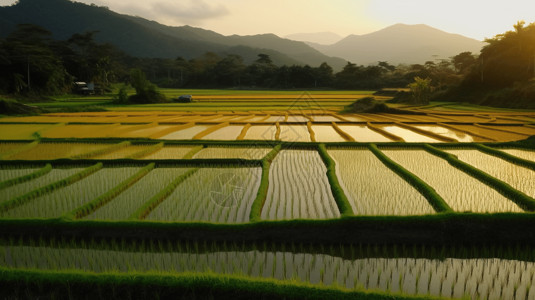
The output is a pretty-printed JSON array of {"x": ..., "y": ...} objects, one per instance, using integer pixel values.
[{"x": 270, "y": 194}]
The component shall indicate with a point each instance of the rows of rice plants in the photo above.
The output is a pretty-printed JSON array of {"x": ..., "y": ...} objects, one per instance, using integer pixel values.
[
  {"x": 66, "y": 199},
  {"x": 46, "y": 151},
  {"x": 233, "y": 152},
  {"x": 218, "y": 195},
  {"x": 474, "y": 278},
  {"x": 461, "y": 191},
  {"x": 23, "y": 188},
  {"x": 520, "y": 178},
  {"x": 373, "y": 189},
  {"x": 126, "y": 203},
  {"x": 299, "y": 188},
  {"x": 525, "y": 154},
  {"x": 11, "y": 172}
]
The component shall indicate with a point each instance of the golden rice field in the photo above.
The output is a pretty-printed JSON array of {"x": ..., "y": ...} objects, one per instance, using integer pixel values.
[{"x": 243, "y": 186}]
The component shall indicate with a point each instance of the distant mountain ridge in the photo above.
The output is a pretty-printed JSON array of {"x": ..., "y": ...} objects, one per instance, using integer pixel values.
[
  {"x": 322, "y": 38},
  {"x": 401, "y": 43},
  {"x": 144, "y": 38}
]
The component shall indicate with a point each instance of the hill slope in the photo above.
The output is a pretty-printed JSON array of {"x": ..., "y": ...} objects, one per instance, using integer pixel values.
[
  {"x": 143, "y": 38},
  {"x": 401, "y": 43}
]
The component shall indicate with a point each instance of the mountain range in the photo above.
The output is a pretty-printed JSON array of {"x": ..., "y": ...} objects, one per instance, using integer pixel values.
[
  {"x": 144, "y": 38},
  {"x": 401, "y": 43}
]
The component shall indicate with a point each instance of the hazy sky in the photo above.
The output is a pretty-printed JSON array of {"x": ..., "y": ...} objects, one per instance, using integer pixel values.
[{"x": 473, "y": 18}]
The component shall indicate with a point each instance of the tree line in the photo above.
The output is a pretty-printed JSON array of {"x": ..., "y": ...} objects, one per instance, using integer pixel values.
[{"x": 31, "y": 61}]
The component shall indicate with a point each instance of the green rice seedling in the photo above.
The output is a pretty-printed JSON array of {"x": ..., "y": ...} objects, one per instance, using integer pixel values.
[
  {"x": 461, "y": 191},
  {"x": 373, "y": 189},
  {"x": 518, "y": 177},
  {"x": 25, "y": 174},
  {"x": 124, "y": 205},
  {"x": 20, "y": 189},
  {"x": 299, "y": 188},
  {"x": 218, "y": 195},
  {"x": 103, "y": 199},
  {"x": 66, "y": 199}
]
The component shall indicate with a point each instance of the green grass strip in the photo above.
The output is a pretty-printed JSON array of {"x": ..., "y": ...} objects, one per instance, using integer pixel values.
[
  {"x": 192, "y": 152},
  {"x": 338, "y": 192},
  {"x": 25, "y": 178},
  {"x": 5, "y": 206},
  {"x": 427, "y": 191},
  {"x": 103, "y": 151},
  {"x": 524, "y": 201},
  {"x": 153, "y": 202},
  {"x": 147, "y": 151},
  {"x": 261, "y": 195},
  {"x": 506, "y": 156},
  {"x": 19, "y": 149},
  {"x": 103, "y": 199},
  {"x": 33, "y": 284}
]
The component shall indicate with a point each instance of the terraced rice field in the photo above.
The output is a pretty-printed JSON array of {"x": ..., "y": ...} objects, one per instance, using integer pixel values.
[
  {"x": 22, "y": 188},
  {"x": 127, "y": 203},
  {"x": 47, "y": 151},
  {"x": 233, "y": 152},
  {"x": 185, "y": 134},
  {"x": 265, "y": 203},
  {"x": 457, "y": 135},
  {"x": 7, "y": 173},
  {"x": 525, "y": 154},
  {"x": 462, "y": 192},
  {"x": 475, "y": 278},
  {"x": 22, "y": 131},
  {"x": 299, "y": 188},
  {"x": 408, "y": 135},
  {"x": 8, "y": 147},
  {"x": 211, "y": 195},
  {"x": 125, "y": 152},
  {"x": 362, "y": 133},
  {"x": 522, "y": 179},
  {"x": 65, "y": 200},
  {"x": 169, "y": 152},
  {"x": 226, "y": 133},
  {"x": 326, "y": 133},
  {"x": 373, "y": 189},
  {"x": 294, "y": 133}
]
